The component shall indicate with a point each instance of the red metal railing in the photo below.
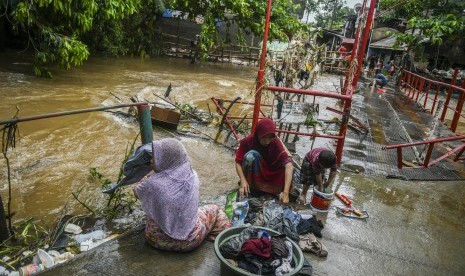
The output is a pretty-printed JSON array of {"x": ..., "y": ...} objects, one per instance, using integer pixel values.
[
  {"x": 419, "y": 89},
  {"x": 458, "y": 150},
  {"x": 353, "y": 72}
]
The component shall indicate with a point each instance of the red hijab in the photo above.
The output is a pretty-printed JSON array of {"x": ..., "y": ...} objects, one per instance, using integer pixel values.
[{"x": 274, "y": 154}]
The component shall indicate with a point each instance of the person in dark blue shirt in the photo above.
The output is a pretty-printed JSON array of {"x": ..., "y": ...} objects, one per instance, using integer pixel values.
[{"x": 381, "y": 80}]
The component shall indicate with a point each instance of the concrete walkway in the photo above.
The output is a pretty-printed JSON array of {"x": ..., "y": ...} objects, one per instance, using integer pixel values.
[
  {"x": 393, "y": 119},
  {"x": 415, "y": 227}
]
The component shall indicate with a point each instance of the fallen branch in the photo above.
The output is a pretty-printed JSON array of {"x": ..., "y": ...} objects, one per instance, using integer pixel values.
[
  {"x": 76, "y": 196},
  {"x": 121, "y": 100}
]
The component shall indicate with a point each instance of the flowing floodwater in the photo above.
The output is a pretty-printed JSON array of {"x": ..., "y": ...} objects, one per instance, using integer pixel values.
[
  {"x": 415, "y": 227},
  {"x": 53, "y": 156}
]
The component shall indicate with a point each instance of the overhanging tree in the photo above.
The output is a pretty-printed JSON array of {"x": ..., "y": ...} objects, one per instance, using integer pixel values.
[
  {"x": 248, "y": 15},
  {"x": 436, "y": 20},
  {"x": 60, "y": 31}
]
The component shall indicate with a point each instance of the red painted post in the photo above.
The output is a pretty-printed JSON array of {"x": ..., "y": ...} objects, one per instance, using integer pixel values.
[
  {"x": 261, "y": 69},
  {"x": 353, "y": 54},
  {"x": 226, "y": 119},
  {"x": 420, "y": 90},
  {"x": 420, "y": 80},
  {"x": 457, "y": 157},
  {"x": 399, "y": 157},
  {"x": 458, "y": 109},
  {"x": 449, "y": 95},
  {"x": 412, "y": 81},
  {"x": 427, "y": 94},
  {"x": 428, "y": 155},
  {"x": 415, "y": 85},
  {"x": 365, "y": 38},
  {"x": 409, "y": 76},
  {"x": 438, "y": 88},
  {"x": 348, "y": 103}
]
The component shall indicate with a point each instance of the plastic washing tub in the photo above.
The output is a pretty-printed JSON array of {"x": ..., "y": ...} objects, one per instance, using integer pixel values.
[{"x": 228, "y": 269}]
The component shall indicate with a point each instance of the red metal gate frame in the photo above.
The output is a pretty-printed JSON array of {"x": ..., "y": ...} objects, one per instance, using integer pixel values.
[{"x": 352, "y": 76}]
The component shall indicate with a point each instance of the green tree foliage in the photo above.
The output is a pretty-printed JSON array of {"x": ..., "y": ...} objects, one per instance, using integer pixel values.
[
  {"x": 66, "y": 32},
  {"x": 248, "y": 15},
  {"x": 62, "y": 32},
  {"x": 333, "y": 14},
  {"x": 437, "y": 20}
]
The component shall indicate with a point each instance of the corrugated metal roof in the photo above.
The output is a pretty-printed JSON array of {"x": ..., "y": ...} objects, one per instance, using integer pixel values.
[{"x": 386, "y": 43}]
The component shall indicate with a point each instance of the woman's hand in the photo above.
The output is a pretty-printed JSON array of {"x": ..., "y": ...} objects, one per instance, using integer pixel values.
[
  {"x": 244, "y": 189},
  {"x": 284, "y": 197}
]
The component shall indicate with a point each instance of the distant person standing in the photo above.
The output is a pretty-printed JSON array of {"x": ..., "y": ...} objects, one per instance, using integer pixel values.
[
  {"x": 195, "y": 48},
  {"x": 392, "y": 70},
  {"x": 371, "y": 65},
  {"x": 406, "y": 62},
  {"x": 378, "y": 67}
]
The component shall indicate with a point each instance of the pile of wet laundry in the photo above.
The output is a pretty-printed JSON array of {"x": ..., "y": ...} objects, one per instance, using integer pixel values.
[
  {"x": 304, "y": 231},
  {"x": 260, "y": 253}
]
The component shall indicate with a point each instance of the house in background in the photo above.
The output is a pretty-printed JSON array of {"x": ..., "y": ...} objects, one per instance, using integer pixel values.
[{"x": 382, "y": 45}]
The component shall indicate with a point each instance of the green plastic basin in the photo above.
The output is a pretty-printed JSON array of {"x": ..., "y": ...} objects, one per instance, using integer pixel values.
[{"x": 228, "y": 269}]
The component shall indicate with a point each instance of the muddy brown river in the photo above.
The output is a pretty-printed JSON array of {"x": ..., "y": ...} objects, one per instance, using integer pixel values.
[{"x": 53, "y": 156}]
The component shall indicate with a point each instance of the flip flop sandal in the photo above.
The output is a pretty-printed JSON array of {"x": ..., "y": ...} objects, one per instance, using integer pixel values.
[
  {"x": 309, "y": 243},
  {"x": 340, "y": 212}
]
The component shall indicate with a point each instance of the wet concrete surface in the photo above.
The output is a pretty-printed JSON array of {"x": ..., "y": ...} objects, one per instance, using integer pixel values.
[{"x": 415, "y": 228}]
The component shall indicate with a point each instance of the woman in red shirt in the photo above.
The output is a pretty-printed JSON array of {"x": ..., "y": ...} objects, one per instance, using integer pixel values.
[{"x": 262, "y": 163}]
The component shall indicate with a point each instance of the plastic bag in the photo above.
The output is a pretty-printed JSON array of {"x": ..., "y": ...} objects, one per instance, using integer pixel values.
[{"x": 229, "y": 207}]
